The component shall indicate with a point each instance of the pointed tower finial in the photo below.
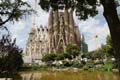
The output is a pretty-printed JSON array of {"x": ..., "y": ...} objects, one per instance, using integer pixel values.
[
  {"x": 35, "y": 9},
  {"x": 33, "y": 18},
  {"x": 50, "y": 20},
  {"x": 66, "y": 17}
]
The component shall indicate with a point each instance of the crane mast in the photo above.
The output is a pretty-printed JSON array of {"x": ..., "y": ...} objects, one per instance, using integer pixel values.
[{"x": 96, "y": 35}]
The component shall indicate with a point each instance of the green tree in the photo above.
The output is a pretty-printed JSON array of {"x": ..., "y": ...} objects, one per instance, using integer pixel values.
[
  {"x": 110, "y": 14},
  {"x": 67, "y": 55},
  {"x": 95, "y": 54},
  {"x": 109, "y": 46},
  {"x": 85, "y": 8},
  {"x": 73, "y": 50},
  {"x": 60, "y": 56},
  {"x": 13, "y": 10},
  {"x": 10, "y": 55},
  {"x": 106, "y": 50},
  {"x": 49, "y": 57}
]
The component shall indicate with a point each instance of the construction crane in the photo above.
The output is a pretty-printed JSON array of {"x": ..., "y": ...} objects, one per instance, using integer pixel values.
[{"x": 96, "y": 35}]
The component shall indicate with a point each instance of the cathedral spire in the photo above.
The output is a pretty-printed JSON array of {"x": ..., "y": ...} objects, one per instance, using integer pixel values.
[
  {"x": 71, "y": 21},
  {"x": 77, "y": 35},
  {"x": 66, "y": 17},
  {"x": 71, "y": 26},
  {"x": 56, "y": 27},
  {"x": 35, "y": 9},
  {"x": 33, "y": 29},
  {"x": 56, "y": 19},
  {"x": 50, "y": 20},
  {"x": 50, "y": 29},
  {"x": 33, "y": 18},
  {"x": 66, "y": 21}
]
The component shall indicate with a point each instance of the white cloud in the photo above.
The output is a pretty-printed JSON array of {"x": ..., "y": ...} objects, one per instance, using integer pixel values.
[
  {"x": 20, "y": 30},
  {"x": 90, "y": 27},
  {"x": 94, "y": 26}
]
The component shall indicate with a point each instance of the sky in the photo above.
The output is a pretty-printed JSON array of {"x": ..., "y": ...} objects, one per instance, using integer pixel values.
[{"x": 91, "y": 27}]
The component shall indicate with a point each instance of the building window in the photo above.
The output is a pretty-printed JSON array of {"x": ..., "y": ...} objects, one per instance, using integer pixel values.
[{"x": 42, "y": 29}]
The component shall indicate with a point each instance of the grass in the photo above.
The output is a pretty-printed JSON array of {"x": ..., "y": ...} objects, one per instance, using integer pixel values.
[{"x": 88, "y": 66}]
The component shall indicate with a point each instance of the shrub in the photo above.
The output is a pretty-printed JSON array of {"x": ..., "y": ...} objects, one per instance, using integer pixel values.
[
  {"x": 108, "y": 66},
  {"x": 10, "y": 55},
  {"x": 67, "y": 63},
  {"x": 72, "y": 50},
  {"x": 76, "y": 64},
  {"x": 88, "y": 65},
  {"x": 59, "y": 56},
  {"x": 49, "y": 57}
]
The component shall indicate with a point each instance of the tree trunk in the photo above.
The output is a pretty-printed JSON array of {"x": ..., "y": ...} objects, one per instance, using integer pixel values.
[{"x": 110, "y": 14}]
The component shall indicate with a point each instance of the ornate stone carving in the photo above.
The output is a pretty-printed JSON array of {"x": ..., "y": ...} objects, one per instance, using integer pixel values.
[{"x": 54, "y": 38}]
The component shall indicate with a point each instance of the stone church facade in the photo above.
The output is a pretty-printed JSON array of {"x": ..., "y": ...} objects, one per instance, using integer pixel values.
[
  {"x": 61, "y": 30},
  {"x": 37, "y": 43}
]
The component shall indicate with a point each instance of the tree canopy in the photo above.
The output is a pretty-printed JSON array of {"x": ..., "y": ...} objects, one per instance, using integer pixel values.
[
  {"x": 49, "y": 57},
  {"x": 73, "y": 50},
  {"x": 86, "y": 8},
  {"x": 10, "y": 54},
  {"x": 106, "y": 50},
  {"x": 83, "y": 8},
  {"x": 13, "y": 10}
]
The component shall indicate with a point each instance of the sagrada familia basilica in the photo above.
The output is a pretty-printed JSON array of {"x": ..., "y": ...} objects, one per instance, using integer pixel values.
[{"x": 54, "y": 38}]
